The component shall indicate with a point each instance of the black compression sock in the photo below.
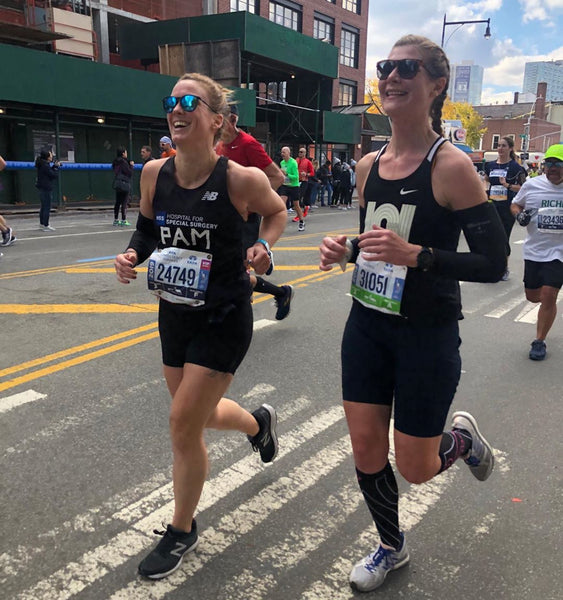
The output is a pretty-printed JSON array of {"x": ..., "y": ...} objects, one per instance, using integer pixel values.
[
  {"x": 264, "y": 287},
  {"x": 455, "y": 443},
  {"x": 381, "y": 494}
]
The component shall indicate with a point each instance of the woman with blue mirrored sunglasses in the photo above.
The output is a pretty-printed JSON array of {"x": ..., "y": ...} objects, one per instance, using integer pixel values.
[
  {"x": 188, "y": 102},
  {"x": 193, "y": 209}
]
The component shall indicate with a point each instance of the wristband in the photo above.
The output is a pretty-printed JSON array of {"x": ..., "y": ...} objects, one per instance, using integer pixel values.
[{"x": 264, "y": 243}]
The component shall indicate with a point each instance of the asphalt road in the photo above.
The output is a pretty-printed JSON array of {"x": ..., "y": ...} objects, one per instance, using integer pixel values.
[{"x": 85, "y": 455}]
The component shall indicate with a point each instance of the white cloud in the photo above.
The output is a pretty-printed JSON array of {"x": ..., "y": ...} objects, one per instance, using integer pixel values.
[
  {"x": 491, "y": 96},
  {"x": 535, "y": 11}
]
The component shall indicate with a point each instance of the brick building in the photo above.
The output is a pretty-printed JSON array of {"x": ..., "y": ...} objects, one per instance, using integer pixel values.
[
  {"x": 298, "y": 64},
  {"x": 527, "y": 123}
]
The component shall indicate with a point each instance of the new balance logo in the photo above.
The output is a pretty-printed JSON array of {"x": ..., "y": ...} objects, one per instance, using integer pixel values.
[
  {"x": 210, "y": 196},
  {"x": 179, "y": 550},
  {"x": 403, "y": 192}
]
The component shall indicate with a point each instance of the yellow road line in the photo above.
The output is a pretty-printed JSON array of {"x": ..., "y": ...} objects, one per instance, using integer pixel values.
[
  {"x": 39, "y": 309},
  {"x": 75, "y": 361},
  {"x": 45, "y": 270},
  {"x": 75, "y": 349},
  {"x": 257, "y": 299}
]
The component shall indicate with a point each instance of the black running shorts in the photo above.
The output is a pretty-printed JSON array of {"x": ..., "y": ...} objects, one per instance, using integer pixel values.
[
  {"x": 386, "y": 358},
  {"x": 217, "y": 339},
  {"x": 292, "y": 192},
  {"x": 538, "y": 274}
]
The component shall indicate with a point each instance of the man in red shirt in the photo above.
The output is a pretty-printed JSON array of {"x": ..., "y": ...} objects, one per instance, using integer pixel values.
[
  {"x": 244, "y": 149},
  {"x": 306, "y": 170}
]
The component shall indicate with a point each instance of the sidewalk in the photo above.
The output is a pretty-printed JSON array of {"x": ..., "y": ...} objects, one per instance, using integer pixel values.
[{"x": 33, "y": 209}]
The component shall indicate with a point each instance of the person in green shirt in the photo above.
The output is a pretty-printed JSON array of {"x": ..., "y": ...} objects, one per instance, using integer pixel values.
[{"x": 290, "y": 188}]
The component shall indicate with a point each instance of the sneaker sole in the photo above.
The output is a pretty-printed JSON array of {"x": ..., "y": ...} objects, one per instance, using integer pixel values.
[
  {"x": 273, "y": 425},
  {"x": 156, "y": 576},
  {"x": 471, "y": 419}
]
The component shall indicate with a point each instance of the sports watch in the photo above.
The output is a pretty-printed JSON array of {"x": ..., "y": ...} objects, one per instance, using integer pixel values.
[
  {"x": 425, "y": 259},
  {"x": 264, "y": 243}
]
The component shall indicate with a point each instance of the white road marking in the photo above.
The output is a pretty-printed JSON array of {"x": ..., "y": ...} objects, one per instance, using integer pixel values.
[
  {"x": 261, "y": 323},
  {"x": 505, "y": 308},
  {"x": 412, "y": 507},
  {"x": 157, "y": 487},
  {"x": 26, "y": 397},
  {"x": 244, "y": 519},
  {"x": 529, "y": 314},
  {"x": 144, "y": 514}
]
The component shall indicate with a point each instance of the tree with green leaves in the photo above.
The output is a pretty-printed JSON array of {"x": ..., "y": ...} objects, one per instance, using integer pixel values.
[{"x": 470, "y": 119}]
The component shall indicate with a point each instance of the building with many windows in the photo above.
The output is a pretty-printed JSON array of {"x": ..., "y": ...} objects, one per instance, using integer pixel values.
[
  {"x": 294, "y": 65},
  {"x": 466, "y": 82},
  {"x": 550, "y": 72}
]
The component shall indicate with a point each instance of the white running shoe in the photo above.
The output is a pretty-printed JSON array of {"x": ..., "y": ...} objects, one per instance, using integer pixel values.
[
  {"x": 370, "y": 573},
  {"x": 481, "y": 459}
]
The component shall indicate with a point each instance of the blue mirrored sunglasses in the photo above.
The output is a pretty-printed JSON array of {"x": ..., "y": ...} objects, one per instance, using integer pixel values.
[
  {"x": 188, "y": 103},
  {"x": 553, "y": 163}
]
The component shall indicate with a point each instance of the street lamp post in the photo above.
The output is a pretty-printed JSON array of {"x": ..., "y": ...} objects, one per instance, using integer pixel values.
[{"x": 460, "y": 23}]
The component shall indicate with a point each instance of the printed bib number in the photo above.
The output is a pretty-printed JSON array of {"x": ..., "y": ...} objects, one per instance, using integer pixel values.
[
  {"x": 180, "y": 276},
  {"x": 379, "y": 285},
  {"x": 550, "y": 220},
  {"x": 498, "y": 192}
]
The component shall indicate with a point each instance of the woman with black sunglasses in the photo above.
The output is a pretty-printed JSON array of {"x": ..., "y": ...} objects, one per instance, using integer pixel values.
[
  {"x": 193, "y": 209},
  {"x": 400, "y": 347}
]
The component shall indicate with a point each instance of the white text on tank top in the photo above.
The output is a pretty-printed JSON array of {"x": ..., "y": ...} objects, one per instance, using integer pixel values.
[
  {"x": 176, "y": 274},
  {"x": 376, "y": 284}
]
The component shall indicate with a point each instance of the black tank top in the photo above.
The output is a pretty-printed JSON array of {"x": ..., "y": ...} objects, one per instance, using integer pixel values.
[
  {"x": 408, "y": 207},
  {"x": 205, "y": 220}
]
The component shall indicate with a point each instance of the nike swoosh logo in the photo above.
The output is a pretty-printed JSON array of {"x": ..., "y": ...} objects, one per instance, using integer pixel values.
[{"x": 404, "y": 192}]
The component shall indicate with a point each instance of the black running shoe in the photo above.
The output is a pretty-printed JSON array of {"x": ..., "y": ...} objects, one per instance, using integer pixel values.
[
  {"x": 169, "y": 552},
  {"x": 266, "y": 440},
  {"x": 283, "y": 303}
]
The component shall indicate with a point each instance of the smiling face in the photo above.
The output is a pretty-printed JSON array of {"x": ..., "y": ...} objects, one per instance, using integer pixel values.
[
  {"x": 412, "y": 95},
  {"x": 200, "y": 125}
]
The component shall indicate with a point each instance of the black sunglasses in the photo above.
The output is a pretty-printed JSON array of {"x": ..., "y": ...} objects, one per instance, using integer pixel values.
[
  {"x": 553, "y": 163},
  {"x": 188, "y": 103},
  {"x": 407, "y": 68}
]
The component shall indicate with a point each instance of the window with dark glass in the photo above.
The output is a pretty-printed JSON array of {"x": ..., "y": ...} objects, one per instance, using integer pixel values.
[
  {"x": 286, "y": 13},
  {"x": 323, "y": 28},
  {"x": 347, "y": 94},
  {"x": 349, "y": 43},
  {"x": 353, "y": 6},
  {"x": 249, "y": 5}
]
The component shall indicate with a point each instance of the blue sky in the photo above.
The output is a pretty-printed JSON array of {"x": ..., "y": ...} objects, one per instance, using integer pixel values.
[{"x": 522, "y": 31}]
